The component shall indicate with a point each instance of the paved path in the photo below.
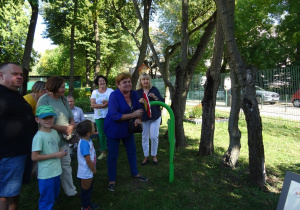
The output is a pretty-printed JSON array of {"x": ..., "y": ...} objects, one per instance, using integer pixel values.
[{"x": 285, "y": 111}]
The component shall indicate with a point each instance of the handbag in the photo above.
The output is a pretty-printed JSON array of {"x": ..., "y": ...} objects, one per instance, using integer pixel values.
[{"x": 132, "y": 128}]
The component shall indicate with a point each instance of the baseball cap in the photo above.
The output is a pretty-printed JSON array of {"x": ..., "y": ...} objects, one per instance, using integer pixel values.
[{"x": 45, "y": 111}]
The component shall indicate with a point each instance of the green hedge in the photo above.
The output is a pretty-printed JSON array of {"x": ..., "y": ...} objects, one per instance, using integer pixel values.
[
  {"x": 78, "y": 93},
  {"x": 84, "y": 104}
]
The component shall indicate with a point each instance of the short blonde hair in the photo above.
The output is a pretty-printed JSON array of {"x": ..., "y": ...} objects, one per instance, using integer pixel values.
[
  {"x": 140, "y": 86},
  {"x": 122, "y": 76},
  {"x": 38, "y": 86}
]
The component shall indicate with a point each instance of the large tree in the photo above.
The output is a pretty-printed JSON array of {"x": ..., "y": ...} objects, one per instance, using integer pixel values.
[
  {"x": 58, "y": 16},
  {"x": 267, "y": 32},
  {"x": 186, "y": 66},
  {"x": 95, "y": 9},
  {"x": 29, "y": 42},
  {"x": 211, "y": 88},
  {"x": 288, "y": 30},
  {"x": 72, "y": 44},
  {"x": 243, "y": 78},
  {"x": 57, "y": 62},
  {"x": 123, "y": 13},
  {"x": 13, "y": 22}
]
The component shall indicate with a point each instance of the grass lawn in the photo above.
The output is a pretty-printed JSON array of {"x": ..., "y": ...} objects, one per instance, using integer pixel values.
[{"x": 200, "y": 182}]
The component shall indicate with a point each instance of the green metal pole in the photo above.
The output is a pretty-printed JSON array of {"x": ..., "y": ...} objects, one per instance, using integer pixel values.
[{"x": 171, "y": 132}]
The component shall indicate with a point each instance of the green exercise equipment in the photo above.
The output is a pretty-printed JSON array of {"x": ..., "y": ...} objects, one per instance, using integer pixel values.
[{"x": 171, "y": 134}]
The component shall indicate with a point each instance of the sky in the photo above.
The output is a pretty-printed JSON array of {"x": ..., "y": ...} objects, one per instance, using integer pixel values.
[{"x": 41, "y": 44}]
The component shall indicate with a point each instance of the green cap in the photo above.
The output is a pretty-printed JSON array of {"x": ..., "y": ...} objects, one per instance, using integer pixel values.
[{"x": 45, "y": 111}]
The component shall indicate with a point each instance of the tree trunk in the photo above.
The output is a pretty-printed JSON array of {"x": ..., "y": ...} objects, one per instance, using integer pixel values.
[
  {"x": 206, "y": 146},
  {"x": 178, "y": 107},
  {"x": 143, "y": 48},
  {"x": 232, "y": 154},
  {"x": 257, "y": 166},
  {"x": 28, "y": 46},
  {"x": 97, "y": 41},
  {"x": 246, "y": 79},
  {"x": 142, "y": 56},
  {"x": 87, "y": 69},
  {"x": 71, "y": 83}
]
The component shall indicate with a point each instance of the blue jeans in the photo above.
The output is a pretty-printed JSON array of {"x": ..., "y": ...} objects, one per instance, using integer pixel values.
[
  {"x": 113, "y": 152},
  {"x": 49, "y": 190},
  {"x": 11, "y": 175}
]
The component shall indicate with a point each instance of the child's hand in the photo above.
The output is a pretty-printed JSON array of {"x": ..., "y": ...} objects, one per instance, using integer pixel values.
[
  {"x": 65, "y": 151},
  {"x": 94, "y": 171},
  {"x": 60, "y": 154}
]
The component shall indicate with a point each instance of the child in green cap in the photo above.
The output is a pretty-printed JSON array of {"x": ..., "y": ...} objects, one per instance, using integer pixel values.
[{"x": 46, "y": 152}]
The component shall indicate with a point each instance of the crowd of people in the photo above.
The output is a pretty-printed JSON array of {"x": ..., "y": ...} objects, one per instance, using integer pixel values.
[{"x": 33, "y": 128}]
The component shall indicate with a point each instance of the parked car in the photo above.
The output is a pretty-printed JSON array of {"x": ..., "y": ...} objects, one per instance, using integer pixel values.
[
  {"x": 296, "y": 99},
  {"x": 266, "y": 96}
]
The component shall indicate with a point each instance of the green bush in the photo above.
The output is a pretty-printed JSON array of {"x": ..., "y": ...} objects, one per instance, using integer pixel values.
[
  {"x": 84, "y": 104},
  {"x": 196, "y": 112},
  {"x": 78, "y": 93},
  {"x": 111, "y": 82}
]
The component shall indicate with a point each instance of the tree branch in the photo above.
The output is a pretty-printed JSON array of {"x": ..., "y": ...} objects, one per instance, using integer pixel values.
[
  {"x": 132, "y": 34},
  {"x": 146, "y": 33}
]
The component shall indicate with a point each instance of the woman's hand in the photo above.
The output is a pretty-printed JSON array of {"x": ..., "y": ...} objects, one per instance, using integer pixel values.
[
  {"x": 141, "y": 100},
  {"x": 152, "y": 96},
  {"x": 69, "y": 129},
  {"x": 137, "y": 121},
  {"x": 104, "y": 104},
  {"x": 137, "y": 113}
]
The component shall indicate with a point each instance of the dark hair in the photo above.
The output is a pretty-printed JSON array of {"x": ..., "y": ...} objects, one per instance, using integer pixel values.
[
  {"x": 54, "y": 83},
  {"x": 84, "y": 127},
  {"x": 122, "y": 76},
  {"x": 4, "y": 65},
  {"x": 97, "y": 78}
]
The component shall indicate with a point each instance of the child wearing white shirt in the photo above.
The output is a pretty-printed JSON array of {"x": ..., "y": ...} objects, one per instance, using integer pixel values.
[{"x": 86, "y": 157}]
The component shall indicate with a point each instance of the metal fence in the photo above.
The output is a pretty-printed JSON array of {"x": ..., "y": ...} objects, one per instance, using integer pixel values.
[{"x": 283, "y": 82}]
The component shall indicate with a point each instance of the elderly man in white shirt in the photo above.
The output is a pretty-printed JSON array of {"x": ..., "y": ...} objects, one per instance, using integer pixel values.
[
  {"x": 77, "y": 112},
  {"x": 78, "y": 117}
]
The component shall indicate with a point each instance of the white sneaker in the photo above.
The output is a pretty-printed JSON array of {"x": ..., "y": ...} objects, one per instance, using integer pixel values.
[{"x": 102, "y": 156}]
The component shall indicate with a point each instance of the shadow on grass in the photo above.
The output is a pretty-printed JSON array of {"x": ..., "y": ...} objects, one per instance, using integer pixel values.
[{"x": 200, "y": 182}]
